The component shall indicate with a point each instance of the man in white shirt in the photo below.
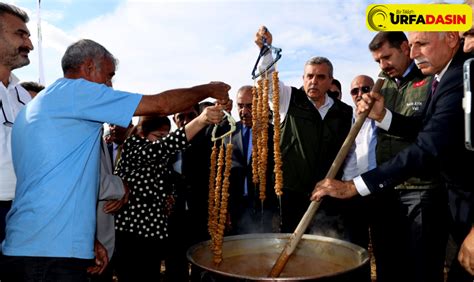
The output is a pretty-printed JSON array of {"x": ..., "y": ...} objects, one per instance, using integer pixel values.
[
  {"x": 15, "y": 44},
  {"x": 366, "y": 139}
]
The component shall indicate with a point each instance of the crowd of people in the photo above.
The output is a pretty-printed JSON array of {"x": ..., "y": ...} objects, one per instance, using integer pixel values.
[{"x": 95, "y": 196}]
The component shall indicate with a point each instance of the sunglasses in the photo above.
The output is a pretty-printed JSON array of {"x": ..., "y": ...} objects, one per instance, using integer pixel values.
[{"x": 363, "y": 89}]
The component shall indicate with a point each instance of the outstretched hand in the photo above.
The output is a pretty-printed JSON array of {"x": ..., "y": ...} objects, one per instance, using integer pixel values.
[
  {"x": 261, "y": 33},
  {"x": 227, "y": 106},
  {"x": 219, "y": 91}
]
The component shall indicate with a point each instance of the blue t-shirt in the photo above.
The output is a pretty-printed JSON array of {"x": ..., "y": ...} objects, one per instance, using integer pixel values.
[{"x": 55, "y": 149}]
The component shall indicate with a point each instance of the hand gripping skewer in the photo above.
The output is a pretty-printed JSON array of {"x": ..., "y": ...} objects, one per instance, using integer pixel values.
[
  {"x": 266, "y": 48},
  {"x": 232, "y": 123}
]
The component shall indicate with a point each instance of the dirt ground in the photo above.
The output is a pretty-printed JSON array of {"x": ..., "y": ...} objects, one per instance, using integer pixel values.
[{"x": 372, "y": 266}]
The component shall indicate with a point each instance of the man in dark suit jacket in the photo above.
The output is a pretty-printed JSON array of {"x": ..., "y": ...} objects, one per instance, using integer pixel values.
[
  {"x": 118, "y": 134},
  {"x": 245, "y": 206},
  {"x": 439, "y": 143}
]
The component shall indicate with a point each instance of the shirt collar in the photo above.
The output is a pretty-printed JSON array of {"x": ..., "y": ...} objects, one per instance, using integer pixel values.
[
  {"x": 328, "y": 102},
  {"x": 443, "y": 71},
  {"x": 408, "y": 70},
  {"x": 246, "y": 128},
  {"x": 13, "y": 81}
]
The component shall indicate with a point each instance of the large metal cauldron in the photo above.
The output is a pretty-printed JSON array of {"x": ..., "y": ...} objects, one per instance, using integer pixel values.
[{"x": 250, "y": 258}]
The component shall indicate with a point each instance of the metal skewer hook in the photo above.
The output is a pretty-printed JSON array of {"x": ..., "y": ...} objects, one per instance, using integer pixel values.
[
  {"x": 266, "y": 48},
  {"x": 232, "y": 123}
]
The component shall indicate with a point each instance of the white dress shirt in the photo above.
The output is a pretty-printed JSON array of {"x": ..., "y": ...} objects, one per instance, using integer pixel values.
[
  {"x": 13, "y": 98},
  {"x": 364, "y": 150}
]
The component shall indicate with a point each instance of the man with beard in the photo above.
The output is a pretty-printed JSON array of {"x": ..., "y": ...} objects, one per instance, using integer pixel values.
[{"x": 15, "y": 44}]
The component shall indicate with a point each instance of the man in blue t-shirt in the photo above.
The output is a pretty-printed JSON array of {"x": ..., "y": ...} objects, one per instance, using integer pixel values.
[{"x": 51, "y": 225}]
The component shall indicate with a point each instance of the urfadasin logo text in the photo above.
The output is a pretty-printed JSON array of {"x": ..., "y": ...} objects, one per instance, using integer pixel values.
[{"x": 419, "y": 17}]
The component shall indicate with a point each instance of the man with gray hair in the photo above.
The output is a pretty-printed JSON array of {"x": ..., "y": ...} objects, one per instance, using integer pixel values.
[
  {"x": 438, "y": 146},
  {"x": 51, "y": 226},
  {"x": 15, "y": 44},
  {"x": 313, "y": 129},
  {"x": 413, "y": 244}
]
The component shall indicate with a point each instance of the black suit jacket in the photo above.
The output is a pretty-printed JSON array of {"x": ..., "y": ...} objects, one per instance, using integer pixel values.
[
  {"x": 241, "y": 168},
  {"x": 439, "y": 144},
  {"x": 192, "y": 190}
]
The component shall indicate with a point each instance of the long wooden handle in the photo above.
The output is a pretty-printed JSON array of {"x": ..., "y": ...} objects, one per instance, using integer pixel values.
[{"x": 313, "y": 207}]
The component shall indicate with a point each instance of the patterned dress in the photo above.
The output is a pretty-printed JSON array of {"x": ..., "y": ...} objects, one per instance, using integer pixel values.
[{"x": 144, "y": 166}]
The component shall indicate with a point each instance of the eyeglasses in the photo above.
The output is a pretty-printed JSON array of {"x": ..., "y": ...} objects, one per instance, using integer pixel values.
[
  {"x": 8, "y": 123},
  {"x": 363, "y": 89},
  {"x": 246, "y": 106}
]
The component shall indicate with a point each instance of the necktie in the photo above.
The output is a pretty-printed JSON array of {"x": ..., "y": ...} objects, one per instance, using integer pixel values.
[
  {"x": 245, "y": 143},
  {"x": 245, "y": 140},
  {"x": 434, "y": 84}
]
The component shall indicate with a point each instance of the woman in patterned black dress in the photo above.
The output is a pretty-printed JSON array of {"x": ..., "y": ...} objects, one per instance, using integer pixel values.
[{"x": 142, "y": 224}]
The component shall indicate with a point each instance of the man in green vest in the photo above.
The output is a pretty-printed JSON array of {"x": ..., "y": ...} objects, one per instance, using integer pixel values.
[{"x": 313, "y": 129}]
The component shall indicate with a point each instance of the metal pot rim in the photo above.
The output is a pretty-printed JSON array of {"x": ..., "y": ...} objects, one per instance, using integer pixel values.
[{"x": 357, "y": 250}]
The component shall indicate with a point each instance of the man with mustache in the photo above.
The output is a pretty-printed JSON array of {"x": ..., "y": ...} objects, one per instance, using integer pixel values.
[
  {"x": 438, "y": 147},
  {"x": 15, "y": 44},
  {"x": 417, "y": 230}
]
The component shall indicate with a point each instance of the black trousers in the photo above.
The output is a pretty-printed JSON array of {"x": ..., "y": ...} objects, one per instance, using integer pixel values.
[
  {"x": 409, "y": 230},
  {"x": 461, "y": 204},
  {"x": 137, "y": 258},
  {"x": 32, "y": 269}
]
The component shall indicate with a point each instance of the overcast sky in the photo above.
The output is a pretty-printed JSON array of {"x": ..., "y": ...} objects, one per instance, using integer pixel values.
[{"x": 171, "y": 44}]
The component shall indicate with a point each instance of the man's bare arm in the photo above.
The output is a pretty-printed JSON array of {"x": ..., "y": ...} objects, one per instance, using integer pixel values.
[{"x": 176, "y": 100}]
